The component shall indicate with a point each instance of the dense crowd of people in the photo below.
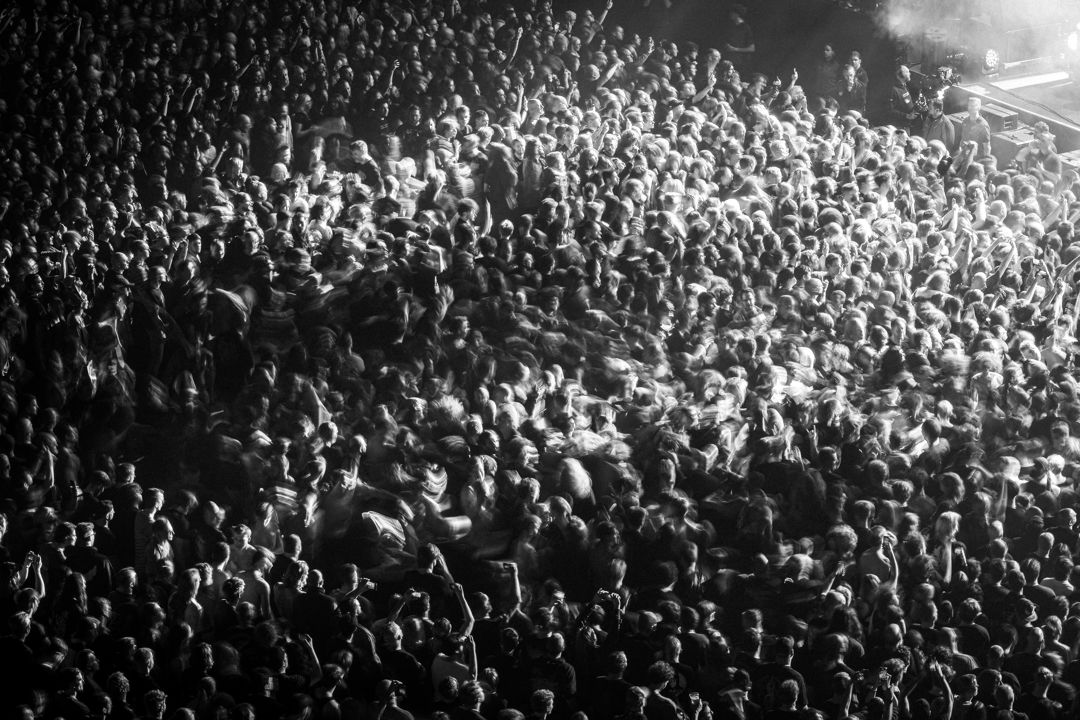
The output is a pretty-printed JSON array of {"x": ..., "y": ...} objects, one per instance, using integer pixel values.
[{"x": 474, "y": 360}]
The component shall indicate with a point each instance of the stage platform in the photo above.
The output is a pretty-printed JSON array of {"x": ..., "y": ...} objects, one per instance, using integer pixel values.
[{"x": 1049, "y": 95}]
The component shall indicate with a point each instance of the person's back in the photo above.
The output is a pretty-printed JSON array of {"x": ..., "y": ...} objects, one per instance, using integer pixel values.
[
  {"x": 314, "y": 610},
  {"x": 660, "y": 707},
  {"x": 785, "y": 698},
  {"x": 427, "y": 578},
  {"x": 783, "y": 714},
  {"x": 1004, "y": 699},
  {"x": 972, "y": 709},
  {"x": 769, "y": 677},
  {"x": 450, "y": 664},
  {"x": 19, "y": 659},
  {"x": 608, "y": 696},
  {"x": 402, "y": 665}
]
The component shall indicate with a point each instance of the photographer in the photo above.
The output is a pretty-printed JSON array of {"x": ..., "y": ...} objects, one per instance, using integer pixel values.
[{"x": 902, "y": 112}]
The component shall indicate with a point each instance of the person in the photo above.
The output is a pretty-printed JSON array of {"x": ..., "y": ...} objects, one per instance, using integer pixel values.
[
  {"x": 861, "y": 76},
  {"x": 938, "y": 126},
  {"x": 850, "y": 94},
  {"x": 827, "y": 72},
  {"x": 1040, "y": 158},
  {"x": 740, "y": 390},
  {"x": 902, "y": 112},
  {"x": 66, "y": 702},
  {"x": 739, "y": 45},
  {"x": 975, "y": 129}
]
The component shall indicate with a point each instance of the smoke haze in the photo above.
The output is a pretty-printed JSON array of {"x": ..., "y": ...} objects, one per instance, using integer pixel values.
[{"x": 1016, "y": 29}]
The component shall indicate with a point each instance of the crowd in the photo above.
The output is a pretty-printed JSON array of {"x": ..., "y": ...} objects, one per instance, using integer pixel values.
[{"x": 479, "y": 361}]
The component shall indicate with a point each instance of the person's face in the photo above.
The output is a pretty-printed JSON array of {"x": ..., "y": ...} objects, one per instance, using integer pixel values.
[
  {"x": 974, "y": 106},
  {"x": 849, "y": 76},
  {"x": 1060, "y": 438},
  {"x": 146, "y": 661}
]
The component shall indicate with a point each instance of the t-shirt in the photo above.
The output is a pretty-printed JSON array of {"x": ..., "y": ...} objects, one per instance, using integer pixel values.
[
  {"x": 975, "y": 641},
  {"x": 435, "y": 585},
  {"x": 739, "y": 36},
  {"x": 767, "y": 680},
  {"x": 779, "y": 714},
  {"x": 978, "y": 131},
  {"x": 658, "y": 707},
  {"x": 443, "y": 667}
]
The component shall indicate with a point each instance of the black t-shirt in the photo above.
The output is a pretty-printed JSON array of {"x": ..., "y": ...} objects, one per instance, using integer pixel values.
[
  {"x": 369, "y": 173},
  {"x": 608, "y": 697},
  {"x": 651, "y": 599},
  {"x": 513, "y": 679},
  {"x": 973, "y": 710},
  {"x": 403, "y": 666},
  {"x": 1023, "y": 666},
  {"x": 975, "y": 641},
  {"x": 658, "y": 707},
  {"x": 1038, "y": 708},
  {"x": 466, "y": 714},
  {"x": 435, "y": 585},
  {"x": 739, "y": 36},
  {"x": 486, "y": 633},
  {"x": 767, "y": 680}
]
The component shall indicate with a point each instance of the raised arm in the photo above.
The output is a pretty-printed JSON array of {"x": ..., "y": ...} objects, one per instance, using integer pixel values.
[
  {"x": 599, "y": 23},
  {"x": 396, "y": 608},
  {"x": 310, "y": 659},
  {"x": 474, "y": 663},
  {"x": 467, "y": 618},
  {"x": 441, "y": 566},
  {"x": 615, "y": 67},
  {"x": 513, "y": 51},
  {"x": 704, "y": 92},
  {"x": 894, "y": 565},
  {"x": 31, "y": 573},
  {"x": 515, "y": 586},
  {"x": 948, "y": 562},
  {"x": 950, "y": 701}
]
